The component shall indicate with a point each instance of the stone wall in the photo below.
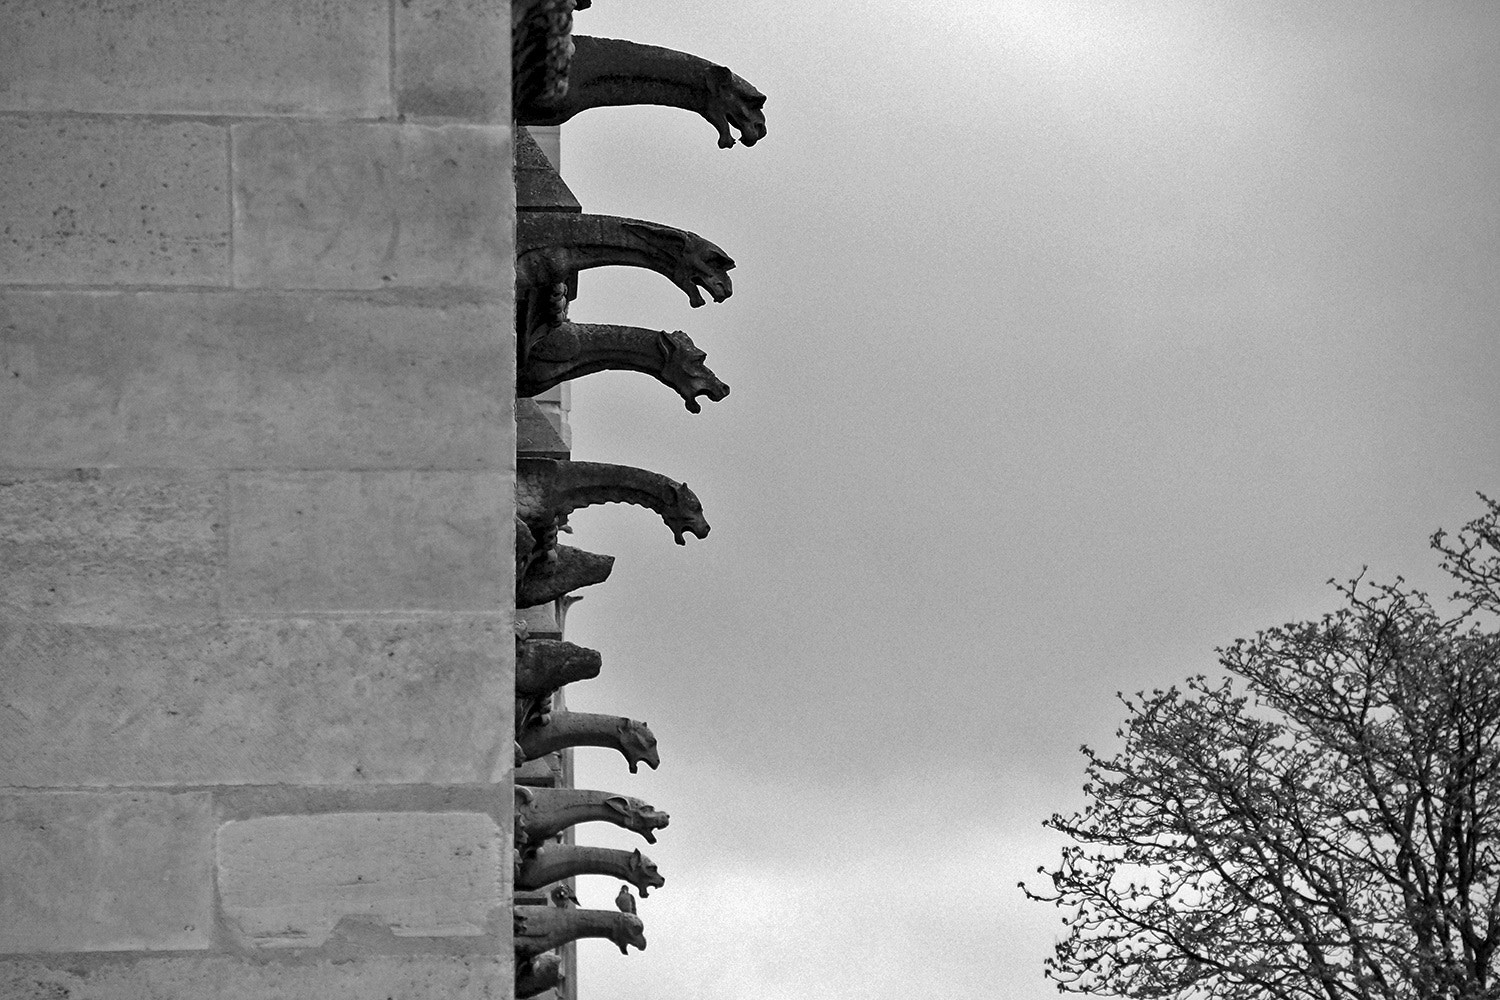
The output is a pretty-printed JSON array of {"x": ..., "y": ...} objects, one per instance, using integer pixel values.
[{"x": 256, "y": 489}]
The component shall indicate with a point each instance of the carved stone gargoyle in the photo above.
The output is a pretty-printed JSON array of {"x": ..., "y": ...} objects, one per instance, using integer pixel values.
[
  {"x": 544, "y": 665},
  {"x": 631, "y": 739},
  {"x": 541, "y": 973},
  {"x": 552, "y": 247},
  {"x": 546, "y": 812},
  {"x": 552, "y": 862},
  {"x": 541, "y": 49},
  {"x": 571, "y": 350},
  {"x": 564, "y": 570},
  {"x": 547, "y": 491},
  {"x": 611, "y": 72},
  {"x": 543, "y": 928}
]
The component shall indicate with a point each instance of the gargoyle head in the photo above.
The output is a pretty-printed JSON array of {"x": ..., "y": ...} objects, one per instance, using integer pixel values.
[
  {"x": 732, "y": 101},
  {"x": 683, "y": 369},
  {"x": 638, "y": 816},
  {"x": 687, "y": 259},
  {"x": 685, "y": 514},
  {"x": 643, "y": 874},
  {"x": 629, "y": 930},
  {"x": 638, "y": 744}
]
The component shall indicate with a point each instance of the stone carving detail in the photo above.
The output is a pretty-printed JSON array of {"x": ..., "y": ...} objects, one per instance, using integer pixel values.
[
  {"x": 543, "y": 928},
  {"x": 538, "y": 975},
  {"x": 564, "y": 570},
  {"x": 631, "y": 739},
  {"x": 547, "y": 491},
  {"x": 552, "y": 862},
  {"x": 568, "y": 350},
  {"x": 544, "y": 665},
  {"x": 546, "y": 812},
  {"x": 611, "y": 72},
  {"x": 552, "y": 247},
  {"x": 541, "y": 49}
]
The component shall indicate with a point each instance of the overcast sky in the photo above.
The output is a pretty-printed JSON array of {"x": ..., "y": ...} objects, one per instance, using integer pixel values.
[{"x": 1069, "y": 341}]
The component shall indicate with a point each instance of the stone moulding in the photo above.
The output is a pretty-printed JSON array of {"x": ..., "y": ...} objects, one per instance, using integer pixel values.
[
  {"x": 613, "y": 72},
  {"x": 543, "y": 928}
]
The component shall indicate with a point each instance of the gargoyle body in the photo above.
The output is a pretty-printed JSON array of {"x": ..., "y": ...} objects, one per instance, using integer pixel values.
[
  {"x": 547, "y": 491},
  {"x": 631, "y": 739},
  {"x": 544, "y": 665},
  {"x": 543, "y": 928},
  {"x": 611, "y": 72},
  {"x": 541, "y": 973},
  {"x": 552, "y": 862},
  {"x": 564, "y": 570},
  {"x": 546, "y": 812},
  {"x": 571, "y": 350},
  {"x": 552, "y": 247}
]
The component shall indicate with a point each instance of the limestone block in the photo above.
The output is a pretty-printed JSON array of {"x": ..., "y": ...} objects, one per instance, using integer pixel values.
[
  {"x": 196, "y": 56},
  {"x": 288, "y": 881},
  {"x": 253, "y": 380},
  {"x": 111, "y": 545},
  {"x": 221, "y": 977},
  {"x": 84, "y": 871},
  {"x": 113, "y": 201},
  {"x": 453, "y": 59},
  {"x": 370, "y": 541},
  {"x": 307, "y": 702},
  {"x": 372, "y": 205}
]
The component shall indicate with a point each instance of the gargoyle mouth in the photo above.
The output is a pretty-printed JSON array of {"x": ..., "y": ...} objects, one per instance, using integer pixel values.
[
  {"x": 649, "y": 835},
  {"x": 715, "y": 392}
]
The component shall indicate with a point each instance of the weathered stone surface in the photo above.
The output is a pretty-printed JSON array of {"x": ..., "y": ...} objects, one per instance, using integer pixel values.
[
  {"x": 94, "y": 201},
  {"x": 196, "y": 56},
  {"x": 310, "y": 702},
  {"x": 453, "y": 59},
  {"x": 287, "y": 881},
  {"x": 373, "y": 541},
  {"x": 221, "y": 977},
  {"x": 253, "y": 380},
  {"x": 111, "y": 545},
  {"x": 84, "y": 871},
  {"x": 372, "y": 205}
]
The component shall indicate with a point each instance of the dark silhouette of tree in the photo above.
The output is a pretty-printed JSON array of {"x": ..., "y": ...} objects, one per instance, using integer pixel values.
[{"x": 1333, "y": 832}]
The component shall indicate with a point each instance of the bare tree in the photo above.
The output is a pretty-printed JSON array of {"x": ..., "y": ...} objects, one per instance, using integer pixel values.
[{"x": 1333, "y": 832}]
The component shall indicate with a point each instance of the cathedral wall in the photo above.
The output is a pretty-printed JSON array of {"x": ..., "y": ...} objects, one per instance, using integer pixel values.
[{"x": 256, "y": 491}]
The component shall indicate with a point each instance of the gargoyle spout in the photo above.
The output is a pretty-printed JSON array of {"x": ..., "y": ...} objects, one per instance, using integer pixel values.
[
  {"x": 572, "y": 350},
  {"x": 552, "y": 247},
  {"x": 547, "y": 491},
  {"x": 541, "y": 973},
  {"x": 544, "y": 665},
  {"x": 543, "y": 928},
  {"x": 566, "y": 569},
  {"x": 554, "y": 862},
  {"x": 631, "y": 739},
  {"x": 611, "y": 72},
  {"x": 546, "y": 812}
]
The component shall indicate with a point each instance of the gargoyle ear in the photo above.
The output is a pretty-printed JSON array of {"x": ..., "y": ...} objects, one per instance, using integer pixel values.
[
  {"x": 665, "y": 344},
  {"x": 718, "y": 77},
  {"x": 619, "y": 804},
  {"x": 525, "y": 794},
  {"x": 635, "y": 855}
]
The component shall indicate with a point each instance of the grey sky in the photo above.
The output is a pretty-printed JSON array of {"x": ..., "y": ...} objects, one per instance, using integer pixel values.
[{"x": 1069, "y": 341}]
